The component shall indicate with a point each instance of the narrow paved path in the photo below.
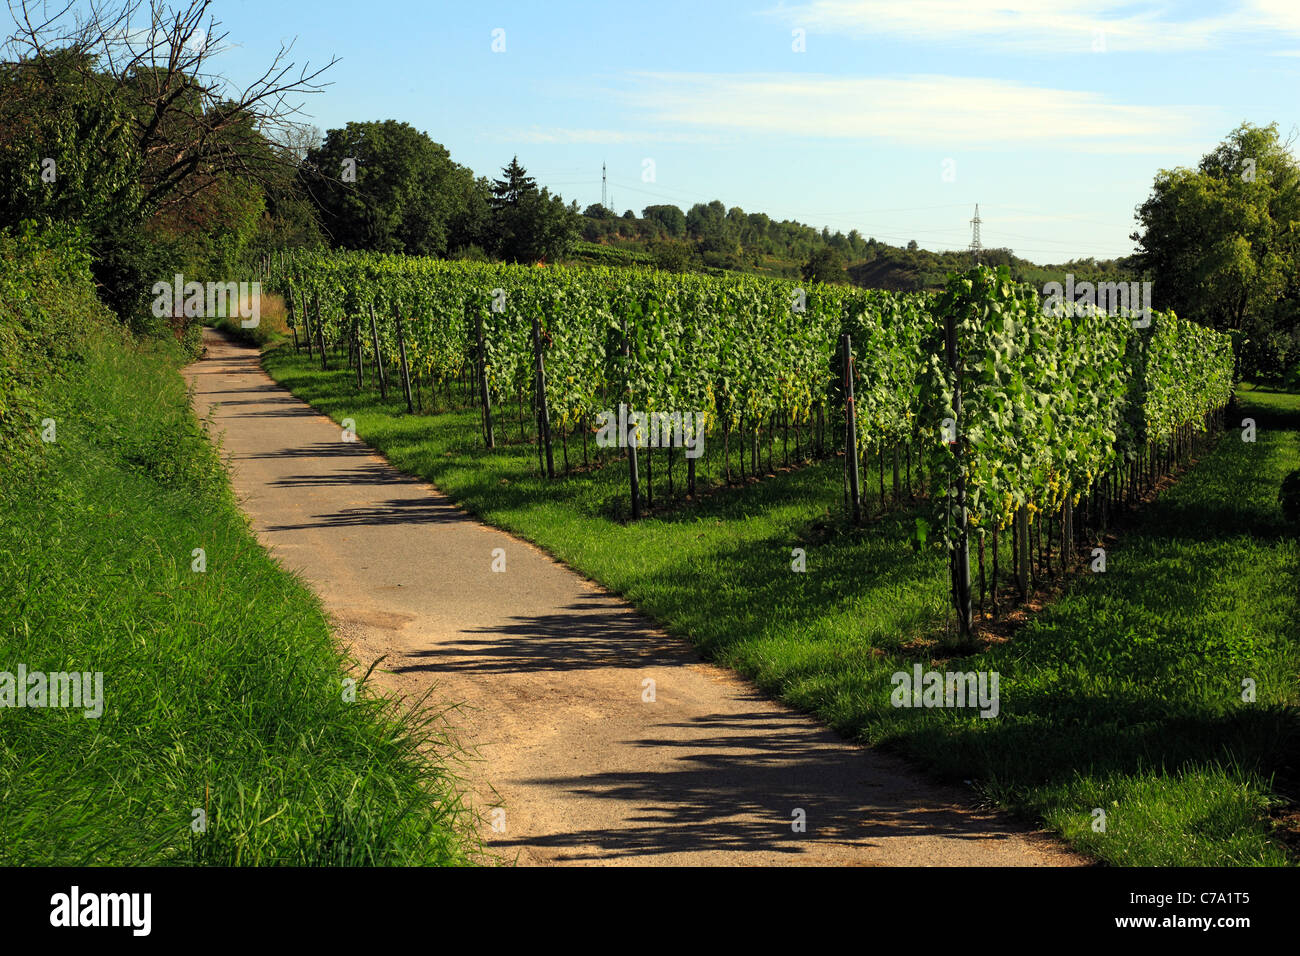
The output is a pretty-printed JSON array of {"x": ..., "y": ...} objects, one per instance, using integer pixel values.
[{"x": 549, "y": 670}]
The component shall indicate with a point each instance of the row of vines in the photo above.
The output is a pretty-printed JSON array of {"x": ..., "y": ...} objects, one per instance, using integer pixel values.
[{"x": 1012, "y": 411}]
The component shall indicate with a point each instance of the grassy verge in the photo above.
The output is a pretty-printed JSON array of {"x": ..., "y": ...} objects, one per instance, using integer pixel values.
[
  {"x": 223, "y": 692},
  {"x": 272, "y": 328},
  {"x": 1123, "y": 696}
]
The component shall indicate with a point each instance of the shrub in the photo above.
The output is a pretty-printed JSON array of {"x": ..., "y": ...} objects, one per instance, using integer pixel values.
[
  {"x": 1291, "y": 380},
  {"x": 1289, "y": 498},
  {"x": 47, "y": 303},
  {"x": 672, "y": 256},
  {"x": 127, "y": 264}
]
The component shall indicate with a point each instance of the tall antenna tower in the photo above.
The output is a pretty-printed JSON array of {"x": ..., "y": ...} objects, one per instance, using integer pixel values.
[
  {"x": 975, "y": 246},
  {"x": 603, "y": 203}
]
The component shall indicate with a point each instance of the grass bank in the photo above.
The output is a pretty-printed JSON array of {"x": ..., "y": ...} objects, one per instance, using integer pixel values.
[
  {"x": 1122, "y": 697},
  {"x": 272, "y": 326},
  {"x": 226, "y": 736}
]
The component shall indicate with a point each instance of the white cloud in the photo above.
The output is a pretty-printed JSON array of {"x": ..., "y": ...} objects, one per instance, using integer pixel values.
[
  {"x": 930, "y": 110},
  {"x": 1279, "y": 15},
  {"x": 1045, "y": 26},
  {"x": 537, "y": 134}
]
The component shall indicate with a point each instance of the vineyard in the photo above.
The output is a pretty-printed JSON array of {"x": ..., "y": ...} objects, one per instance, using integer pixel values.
[{"x": 1023, "y": 428}]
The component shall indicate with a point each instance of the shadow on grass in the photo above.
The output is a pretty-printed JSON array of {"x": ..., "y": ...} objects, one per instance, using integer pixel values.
[
  {"x": 1236, "y": 496},
  {"x": 1271, "y": 410}
]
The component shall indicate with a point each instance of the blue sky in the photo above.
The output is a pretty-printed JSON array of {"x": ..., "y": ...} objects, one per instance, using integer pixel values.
[{"x": 895, "y": 119}]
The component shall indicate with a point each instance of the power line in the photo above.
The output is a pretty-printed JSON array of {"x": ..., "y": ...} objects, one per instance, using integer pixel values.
[
  {"x": 976, "y": 236},
  {"x": 1045, "y": 239},
  {"x": 1039, "y": 212},
  {"x": 841, "y": 213}
]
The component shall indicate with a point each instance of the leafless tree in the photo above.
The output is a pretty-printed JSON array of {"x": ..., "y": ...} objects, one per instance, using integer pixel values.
[{"x": 191, "y": 122}]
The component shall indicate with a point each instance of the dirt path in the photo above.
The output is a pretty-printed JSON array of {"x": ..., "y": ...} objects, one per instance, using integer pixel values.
[{"x": 549, "y": 668}]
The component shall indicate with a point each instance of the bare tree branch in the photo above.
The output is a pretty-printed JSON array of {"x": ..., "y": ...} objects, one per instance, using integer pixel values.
[{"x": 192, "y": 123}]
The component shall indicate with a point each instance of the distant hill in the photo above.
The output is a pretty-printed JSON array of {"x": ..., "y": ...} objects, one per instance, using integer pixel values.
[
  {"x": 882, "y": 267},
  {"x": 711, "y": 238}
]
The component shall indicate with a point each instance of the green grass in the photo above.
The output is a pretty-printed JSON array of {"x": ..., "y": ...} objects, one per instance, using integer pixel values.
[
  {"x": 223, "y": 689},
  {"x": 1125, "y": 694},
  {"x": 266, "y": 333}
]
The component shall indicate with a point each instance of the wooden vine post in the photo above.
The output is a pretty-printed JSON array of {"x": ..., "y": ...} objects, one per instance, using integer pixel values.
[
  {"x": 630, "y": 440},
  {"x": 961, "y": 549},
  {"x": 293, "y": 324},
  {"x": 690, "y": 461},
  {"x": 361, "y": 362},
  {"x": 484, "y": 397},
  {"x": 851, "y": 429},
  {"x": 320, "y": 333},
  {"x": 406, "y": 370},
  {"x": 379, "y": 361},
  {"x": 543, "y": 413},
  {"x": 306, "y": 324},
  {"x": 1067, "y": 533},
  {"x": 1022, "y": 551}
]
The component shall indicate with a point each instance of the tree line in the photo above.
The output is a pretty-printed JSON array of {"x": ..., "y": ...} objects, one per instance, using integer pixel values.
[{"x": 131, "y": 138}]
